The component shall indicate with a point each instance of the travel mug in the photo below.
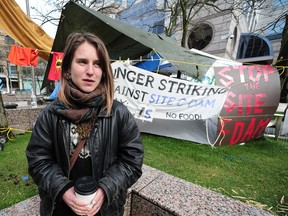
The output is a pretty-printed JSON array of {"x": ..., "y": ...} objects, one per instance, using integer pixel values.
[{"x": 85, "y": 189}]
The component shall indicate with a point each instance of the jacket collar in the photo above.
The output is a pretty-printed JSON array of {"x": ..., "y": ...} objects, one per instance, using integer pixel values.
[{"x": 103, "y": 113}]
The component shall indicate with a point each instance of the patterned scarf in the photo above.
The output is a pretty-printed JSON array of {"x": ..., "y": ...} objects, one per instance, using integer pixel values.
[{"x": 84, "y": 106}]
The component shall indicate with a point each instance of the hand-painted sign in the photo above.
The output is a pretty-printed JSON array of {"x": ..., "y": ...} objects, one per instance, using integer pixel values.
[
  {"x": 148, "y": 95},
  {"x": 251, "y": 101}
]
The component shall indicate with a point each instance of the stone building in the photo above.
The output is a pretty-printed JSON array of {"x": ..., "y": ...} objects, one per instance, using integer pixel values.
[{"x": 248, "y": 33}]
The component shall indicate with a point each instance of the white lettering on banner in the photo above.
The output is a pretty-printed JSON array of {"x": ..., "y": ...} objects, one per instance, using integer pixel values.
[{"x": 149, "y": 95}]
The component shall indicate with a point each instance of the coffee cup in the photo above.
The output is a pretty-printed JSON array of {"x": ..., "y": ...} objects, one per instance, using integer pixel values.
[{"x": 85, "y": 189}]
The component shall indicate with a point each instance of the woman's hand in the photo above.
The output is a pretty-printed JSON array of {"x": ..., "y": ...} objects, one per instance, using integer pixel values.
[
  {"x": 97, "y": 202},
  {"x": 78, "y": 206}
]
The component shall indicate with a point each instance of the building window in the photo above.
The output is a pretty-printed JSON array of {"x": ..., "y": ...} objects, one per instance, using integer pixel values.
[
  {"x": 13, "y": 71},
  {"x": 200, "y": 37},
  {"x": 158, "y": 27},
  {"x": 9, "y": 40},
  {"x": 14, "y": 83},
  {"x": 3, "y": 83},
  {"x": 253, "y": 46}
]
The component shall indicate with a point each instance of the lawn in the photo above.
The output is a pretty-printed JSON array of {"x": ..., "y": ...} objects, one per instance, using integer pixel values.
[
  {"x": 15, "y": 183},
  {"x": 255, "y": 173}
]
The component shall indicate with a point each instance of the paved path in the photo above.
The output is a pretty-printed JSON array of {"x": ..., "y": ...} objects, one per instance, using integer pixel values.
[{"x": 27, "y": 207}]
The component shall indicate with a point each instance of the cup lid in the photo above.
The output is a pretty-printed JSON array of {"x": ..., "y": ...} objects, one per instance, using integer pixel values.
[{"x": 85, "y": 185}]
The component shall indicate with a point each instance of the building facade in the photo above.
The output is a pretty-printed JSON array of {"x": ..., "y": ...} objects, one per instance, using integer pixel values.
[
  {"x": 8, "y": 72},
  {"x": 244, "y": 31}
]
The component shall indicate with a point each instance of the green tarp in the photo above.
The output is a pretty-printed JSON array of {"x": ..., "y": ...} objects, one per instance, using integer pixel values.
[{"x": 124, "y": 41}]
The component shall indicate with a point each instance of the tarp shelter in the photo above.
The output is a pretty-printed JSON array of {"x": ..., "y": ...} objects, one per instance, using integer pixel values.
[
  {"x": 15, "y": 23},
  {"x": 188, "y": 110},
  {"x": 124, "y": 41}
]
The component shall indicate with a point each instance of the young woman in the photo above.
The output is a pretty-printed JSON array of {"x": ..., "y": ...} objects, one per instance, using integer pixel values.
[{"x": 85, "y": 112}]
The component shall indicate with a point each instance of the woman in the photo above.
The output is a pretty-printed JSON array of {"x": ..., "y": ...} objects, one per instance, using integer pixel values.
[{"x": 85, "y": 110}]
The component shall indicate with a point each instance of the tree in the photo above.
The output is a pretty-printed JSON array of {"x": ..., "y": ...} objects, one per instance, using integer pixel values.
[
  {"x": 277, "y": 27},
  {"x": 52, "y": 14},
  {"x": 283, "y": 54},
  {"x": 282, "y": 62},
  {"x": 182, "y": 12},
  {"x": 173, "y": 16}
]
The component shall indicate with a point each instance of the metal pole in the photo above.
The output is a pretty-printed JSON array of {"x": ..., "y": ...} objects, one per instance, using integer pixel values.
[
  {"x": 27, "y": 8},
  {"x": 32, "y": 68},
  {"x": 33, "y": 80}
]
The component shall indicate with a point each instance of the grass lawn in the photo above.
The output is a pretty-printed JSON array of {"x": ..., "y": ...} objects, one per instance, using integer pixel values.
[
  {"x": 255, "y": 173},
  {"x": 13, "y": 172}
]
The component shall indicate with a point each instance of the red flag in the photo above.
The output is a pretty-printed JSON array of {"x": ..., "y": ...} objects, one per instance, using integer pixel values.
[
  {"x": 23, "y": 56},
  {"x": 55, "y": 68}
]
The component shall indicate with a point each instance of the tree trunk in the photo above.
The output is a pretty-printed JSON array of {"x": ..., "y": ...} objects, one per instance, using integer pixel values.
[
  {"x": 282, "y": 62},
  {"x": 3, "y": 118}
]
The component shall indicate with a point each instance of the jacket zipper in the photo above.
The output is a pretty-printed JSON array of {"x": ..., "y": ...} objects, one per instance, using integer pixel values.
[{"x": 94, "y": 129}]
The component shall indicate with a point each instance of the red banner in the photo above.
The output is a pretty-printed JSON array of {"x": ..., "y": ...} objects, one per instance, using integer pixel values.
[{"x": 55, "y": 69}]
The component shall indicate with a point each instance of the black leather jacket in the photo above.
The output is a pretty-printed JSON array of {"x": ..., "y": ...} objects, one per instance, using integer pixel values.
[{"x": 116, "y": 153}]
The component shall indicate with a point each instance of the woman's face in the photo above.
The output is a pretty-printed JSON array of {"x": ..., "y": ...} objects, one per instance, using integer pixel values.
[{"x": 86, "y": 72}]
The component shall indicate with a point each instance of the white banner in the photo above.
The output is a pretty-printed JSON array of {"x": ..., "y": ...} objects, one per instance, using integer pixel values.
[{"x": 149, "y": 95}]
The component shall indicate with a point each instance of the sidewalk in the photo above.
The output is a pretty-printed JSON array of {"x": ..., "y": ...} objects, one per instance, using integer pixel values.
[{"x": 27, "y": 207}]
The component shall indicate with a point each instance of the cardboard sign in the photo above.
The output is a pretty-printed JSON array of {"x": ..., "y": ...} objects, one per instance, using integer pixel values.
[
  {"x": 250, "y": 104},
  {"x": 149, "y": 95}
]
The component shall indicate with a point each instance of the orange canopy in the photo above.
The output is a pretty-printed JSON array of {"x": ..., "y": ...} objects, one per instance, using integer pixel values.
[{"x": 15, "y": 23}]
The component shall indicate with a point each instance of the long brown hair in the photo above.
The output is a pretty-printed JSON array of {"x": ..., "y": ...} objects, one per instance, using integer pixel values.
[{"x": 73, "y": 41}]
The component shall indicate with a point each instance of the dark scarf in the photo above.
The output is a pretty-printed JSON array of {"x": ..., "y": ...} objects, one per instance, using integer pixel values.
[{"x": 84, "y": 106}]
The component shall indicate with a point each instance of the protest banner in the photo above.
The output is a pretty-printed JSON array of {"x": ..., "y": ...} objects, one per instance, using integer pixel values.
[
  {"x": 251, "y": 101},
  {"x": 149, "y": 95}
]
